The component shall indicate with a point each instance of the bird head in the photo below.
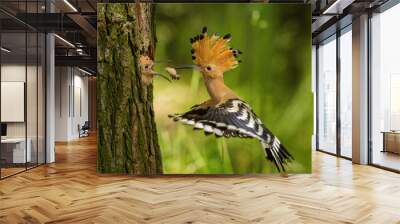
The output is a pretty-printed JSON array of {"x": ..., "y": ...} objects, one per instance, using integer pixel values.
[
  {"x": 146, "y": 64},
  {"x": 212, "y": 54}
]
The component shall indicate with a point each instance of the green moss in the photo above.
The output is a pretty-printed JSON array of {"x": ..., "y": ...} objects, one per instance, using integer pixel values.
[{"x": 126, "y": 127}]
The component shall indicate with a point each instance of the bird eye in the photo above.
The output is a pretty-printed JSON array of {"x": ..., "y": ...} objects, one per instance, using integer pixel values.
[{"x": 208, "y": 68}]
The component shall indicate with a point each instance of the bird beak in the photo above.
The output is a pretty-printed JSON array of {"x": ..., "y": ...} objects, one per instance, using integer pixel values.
[
  {"x": 188, "y": 67},
  {"x": 161, "y": 75},
  {"x": 162, "y": 62}
]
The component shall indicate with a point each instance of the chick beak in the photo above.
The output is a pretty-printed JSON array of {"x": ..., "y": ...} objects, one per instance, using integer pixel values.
[{"x": 161, "y": 75}]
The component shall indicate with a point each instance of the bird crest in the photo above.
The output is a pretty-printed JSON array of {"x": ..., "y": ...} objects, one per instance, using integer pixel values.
[{"x": 214, "y": 51}]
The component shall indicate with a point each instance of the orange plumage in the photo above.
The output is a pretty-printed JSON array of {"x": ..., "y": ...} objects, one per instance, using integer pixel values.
[{"x": 214, "y": 50}]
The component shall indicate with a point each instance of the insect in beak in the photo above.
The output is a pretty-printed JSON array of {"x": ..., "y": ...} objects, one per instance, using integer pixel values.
[
  {"x": 173, "y": 73},
  {"x": 170, "y": 70}
]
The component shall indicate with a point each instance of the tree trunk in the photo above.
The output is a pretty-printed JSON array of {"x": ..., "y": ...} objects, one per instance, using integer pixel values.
[{"x": 127, "y": 136}]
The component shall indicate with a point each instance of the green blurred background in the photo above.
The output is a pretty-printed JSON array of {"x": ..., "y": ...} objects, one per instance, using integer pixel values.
[{"x": 274, "y": 78}]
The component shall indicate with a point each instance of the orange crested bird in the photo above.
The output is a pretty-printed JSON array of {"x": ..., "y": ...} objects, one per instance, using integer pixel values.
[{"x": 225, "y": 114}]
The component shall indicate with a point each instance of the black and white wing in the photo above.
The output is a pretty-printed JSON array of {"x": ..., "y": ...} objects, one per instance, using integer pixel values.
[{"x": 235, "y": 118}]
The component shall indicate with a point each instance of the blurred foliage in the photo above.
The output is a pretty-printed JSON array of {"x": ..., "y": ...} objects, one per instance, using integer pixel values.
[{"x": 274, "y": 78}]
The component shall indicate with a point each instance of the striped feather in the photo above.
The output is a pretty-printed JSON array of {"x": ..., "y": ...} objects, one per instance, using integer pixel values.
[{"x": 235, "y": 118}]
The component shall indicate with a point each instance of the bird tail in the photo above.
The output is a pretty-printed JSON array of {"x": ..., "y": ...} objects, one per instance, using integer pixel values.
[{"x": 277, "y": 153}]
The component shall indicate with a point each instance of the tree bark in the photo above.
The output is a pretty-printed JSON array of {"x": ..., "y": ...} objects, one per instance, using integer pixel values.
[{"x": 127, "y": 136}]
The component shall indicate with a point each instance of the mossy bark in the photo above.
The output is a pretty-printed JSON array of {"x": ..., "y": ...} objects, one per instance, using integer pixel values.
[{"x": 127, "y": 136}]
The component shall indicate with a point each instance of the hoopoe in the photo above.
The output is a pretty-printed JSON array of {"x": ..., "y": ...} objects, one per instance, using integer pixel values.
[{"x": 225, "y": 114}]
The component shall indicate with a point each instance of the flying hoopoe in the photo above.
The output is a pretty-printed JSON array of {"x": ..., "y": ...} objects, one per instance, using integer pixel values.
[{"x": 225, "y": 114}]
